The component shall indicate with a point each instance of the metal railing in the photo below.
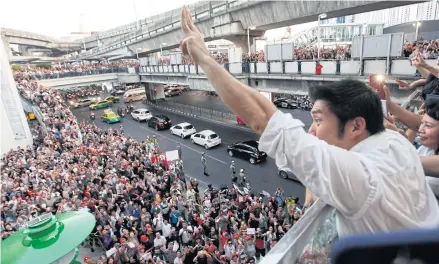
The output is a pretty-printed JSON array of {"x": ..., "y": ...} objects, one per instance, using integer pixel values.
[
  {"x": 194, "y": 111},
  {"x": 57, "y": 75},
  {"x": 395, "y": 67}
]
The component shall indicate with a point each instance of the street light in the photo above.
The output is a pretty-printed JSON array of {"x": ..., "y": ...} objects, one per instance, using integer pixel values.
[
  {"x": 321, "y": 16},
  {"x": 161, "y": 47},
  {"x": 417, "y": 24},
  {"x": 248, "y": 38}
]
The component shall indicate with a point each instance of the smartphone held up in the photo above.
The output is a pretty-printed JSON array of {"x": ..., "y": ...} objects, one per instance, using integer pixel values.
[{"x": 376, "y": 82}]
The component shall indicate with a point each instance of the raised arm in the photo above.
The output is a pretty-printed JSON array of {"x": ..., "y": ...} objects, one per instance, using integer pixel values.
[
  {"x": 431, "y": 165},
  {"x": 411, "y": 120},
  {"x": 244, "y": 101}
]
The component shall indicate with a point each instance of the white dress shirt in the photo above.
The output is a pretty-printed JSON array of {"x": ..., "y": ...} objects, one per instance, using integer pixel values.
[
  {"x": 432, "y": 181},
  {"x": 377, "y": 186}
]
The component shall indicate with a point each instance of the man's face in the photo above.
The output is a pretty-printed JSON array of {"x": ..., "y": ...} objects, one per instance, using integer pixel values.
[
  {"x": 429, "y": 132},
  {"x": 325, "y": 124},
  {"x": 325, "y": 127}
]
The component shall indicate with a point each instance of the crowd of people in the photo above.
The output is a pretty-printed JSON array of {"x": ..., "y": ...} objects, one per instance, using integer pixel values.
[
  {"x": 72, "y": 69},
  {"x": 429, "y": 49},
  {"x": 144, "y": 206}
]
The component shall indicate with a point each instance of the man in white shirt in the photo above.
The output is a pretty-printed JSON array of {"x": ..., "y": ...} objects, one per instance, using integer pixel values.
[
  {"x": 166, "y": 229},
  {"x": 374, "y": 178},
  {"x": 159, "y": 241}
]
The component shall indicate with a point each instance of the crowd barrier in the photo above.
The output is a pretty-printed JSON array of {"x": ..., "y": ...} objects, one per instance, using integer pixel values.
[
  {"x": 194, "y": 111},
  {"x": 396, "y": 67},
  {"x": 56, "y": 75}
]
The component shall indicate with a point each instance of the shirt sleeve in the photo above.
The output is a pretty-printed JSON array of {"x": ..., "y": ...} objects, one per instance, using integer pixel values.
[{"x": 337, "y": 176}]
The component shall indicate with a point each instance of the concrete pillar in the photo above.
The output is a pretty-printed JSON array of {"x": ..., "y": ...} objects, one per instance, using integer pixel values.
[
  {"x": 6, "y": 47},
  {"x": 26, "y": 51},
  {"x": 154, "y": 91},
  {"x": 14, "y": 127},
  {"x": 242, "y": 40}
]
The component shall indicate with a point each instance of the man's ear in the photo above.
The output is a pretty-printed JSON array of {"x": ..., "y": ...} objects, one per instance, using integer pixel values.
[{"x": 357, "y": 126}]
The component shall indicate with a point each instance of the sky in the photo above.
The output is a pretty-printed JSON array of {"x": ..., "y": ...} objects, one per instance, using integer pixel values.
[{"x": 58, "y": 19}]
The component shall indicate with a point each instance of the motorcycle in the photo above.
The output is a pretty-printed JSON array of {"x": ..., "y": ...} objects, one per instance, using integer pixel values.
[
  {"x": 242, "y": 189},
  {"x": 122, "y": 115},
  {"x": 92, "y": 117}
]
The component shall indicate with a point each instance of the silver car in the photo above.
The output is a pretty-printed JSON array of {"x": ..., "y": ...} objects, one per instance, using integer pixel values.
[
  {"x": 83, "y": 103},
  {"x": 285, "y": 173}
]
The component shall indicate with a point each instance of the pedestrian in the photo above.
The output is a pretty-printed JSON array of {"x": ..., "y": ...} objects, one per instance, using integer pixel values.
[
  {"x": 233, "y": 171},
  {"x": 179, "y": 150},
  {"x": 204, "y": 162}
]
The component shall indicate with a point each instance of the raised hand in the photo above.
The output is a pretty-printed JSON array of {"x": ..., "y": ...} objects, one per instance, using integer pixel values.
[
  {"x": 403, "y": 85},
  {"x": 193, "y": 44}
]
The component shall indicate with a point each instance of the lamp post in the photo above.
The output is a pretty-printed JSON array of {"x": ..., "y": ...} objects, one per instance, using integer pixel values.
[
  {"x": 321, "y": 16},
  {"x": 161, "y": 48},
  {"x": 248, "y": 38},
  {"x": 417, "y": 24}
]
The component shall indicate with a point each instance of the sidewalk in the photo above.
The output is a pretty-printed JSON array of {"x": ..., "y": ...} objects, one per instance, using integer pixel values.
[{"x": 208, "y": 115}]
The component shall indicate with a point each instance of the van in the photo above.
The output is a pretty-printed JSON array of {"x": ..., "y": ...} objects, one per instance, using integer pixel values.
[{"x": 134, "y": 95}]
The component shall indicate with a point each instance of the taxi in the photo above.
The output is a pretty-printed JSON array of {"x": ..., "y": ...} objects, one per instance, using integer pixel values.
[
  {"x": 101, "y": 104},
  {"x": 110, "y": 117}
]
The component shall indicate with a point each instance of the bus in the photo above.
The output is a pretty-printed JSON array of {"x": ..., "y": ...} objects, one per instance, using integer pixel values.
[{"x": 134, "y": 95}]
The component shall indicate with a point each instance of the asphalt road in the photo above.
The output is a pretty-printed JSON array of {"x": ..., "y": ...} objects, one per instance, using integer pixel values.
[
  {"x": 261, "y": 176},
  {"x": 199, "y": 99}
]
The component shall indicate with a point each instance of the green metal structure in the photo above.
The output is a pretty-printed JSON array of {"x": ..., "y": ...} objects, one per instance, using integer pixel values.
[{"x": 48, "y": 239}]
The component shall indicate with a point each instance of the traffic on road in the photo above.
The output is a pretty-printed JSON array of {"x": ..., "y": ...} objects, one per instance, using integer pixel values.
[{"x": 221, "y": 144}]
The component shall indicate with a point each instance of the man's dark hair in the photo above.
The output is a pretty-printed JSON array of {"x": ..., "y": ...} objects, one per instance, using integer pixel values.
[
  {"x": 349, "y": 99},
  {"x": 432, "y": 107}
]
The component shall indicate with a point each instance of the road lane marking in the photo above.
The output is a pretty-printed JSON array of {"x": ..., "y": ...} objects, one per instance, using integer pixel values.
[{"x": 173, "y": 140}]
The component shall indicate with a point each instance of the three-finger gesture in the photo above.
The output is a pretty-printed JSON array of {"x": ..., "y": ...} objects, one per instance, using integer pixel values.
[{"x": 193, "y": 44}]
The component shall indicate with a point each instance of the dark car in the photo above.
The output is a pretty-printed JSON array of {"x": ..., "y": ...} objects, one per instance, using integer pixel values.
[
  {"x": 248, "y": 150},
  {"x": 117, "y": 92},
  {"x": 285, "y": 103},
  {"x": 160, "y": 122}
]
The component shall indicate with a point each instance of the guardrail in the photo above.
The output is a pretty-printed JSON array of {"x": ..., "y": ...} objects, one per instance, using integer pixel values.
[
  {"x": 194, "y": 111},
  {"x": 395, "y": 67},
  {"x": 53, "y": 75}
]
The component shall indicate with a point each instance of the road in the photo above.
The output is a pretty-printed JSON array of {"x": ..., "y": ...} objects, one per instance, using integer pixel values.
[
  {"x": 261, "y": 176},
  {"x": 200, "y": 99}
]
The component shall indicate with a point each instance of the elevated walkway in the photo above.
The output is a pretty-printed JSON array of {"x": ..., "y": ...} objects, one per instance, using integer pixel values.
[{"x": 230, "y": 20}]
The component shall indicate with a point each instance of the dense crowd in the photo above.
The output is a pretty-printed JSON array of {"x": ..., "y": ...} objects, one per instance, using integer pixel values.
[
  {"x": 144, "y": 207},
  {"x": 73, "y": 69},
  {"x": 429, "y": 49}
]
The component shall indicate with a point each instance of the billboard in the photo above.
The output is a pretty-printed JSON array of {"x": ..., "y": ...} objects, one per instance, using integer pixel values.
[
  {"x": 377, "y": 46},
  {"x": 235, "y": 55}
]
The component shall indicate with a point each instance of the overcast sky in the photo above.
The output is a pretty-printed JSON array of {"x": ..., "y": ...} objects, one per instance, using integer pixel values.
[{"x": 57, "y": 18}]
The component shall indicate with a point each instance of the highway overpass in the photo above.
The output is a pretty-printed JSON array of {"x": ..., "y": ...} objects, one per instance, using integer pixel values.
[
  {"x": 230, "y": 20},
  {"x": 31, "y": 39}
]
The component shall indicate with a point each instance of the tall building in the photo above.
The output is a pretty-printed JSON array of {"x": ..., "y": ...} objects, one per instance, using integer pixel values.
[{"x": 402, "y": 14}]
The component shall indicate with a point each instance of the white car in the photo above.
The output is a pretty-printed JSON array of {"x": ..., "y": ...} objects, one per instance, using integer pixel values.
[
  {"x": 206, "y": 138},
  {"x": 183, "y": 130},
  {"x": 142, "y": 114}
]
